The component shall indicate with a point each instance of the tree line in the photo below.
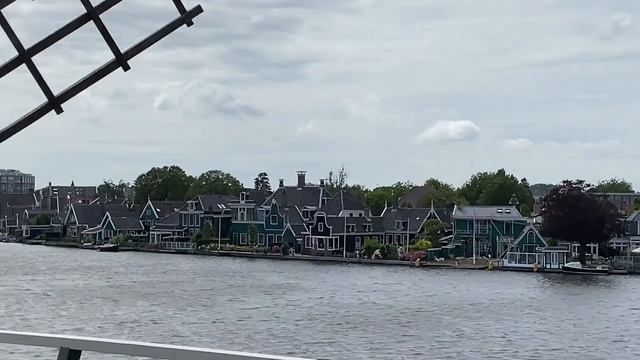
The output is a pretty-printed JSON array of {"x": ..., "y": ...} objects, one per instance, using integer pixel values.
[{"x": 483, "y": 188}]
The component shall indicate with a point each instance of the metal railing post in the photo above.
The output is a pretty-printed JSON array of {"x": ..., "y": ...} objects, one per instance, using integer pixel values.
[{"x": 69, "y": 354}]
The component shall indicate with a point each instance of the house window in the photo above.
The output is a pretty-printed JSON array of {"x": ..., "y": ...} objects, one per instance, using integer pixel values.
[
  {"x": 305, "y": 214},
  {"x": 270, "y": 238},
  {"x": 278, "y": 238},
  {"x": 197, "y": 220},
  {"x": 351, "y": 227},
  {"x": 108, "y": 234},
  {"x": 320, "y": 227},
  {"x": 307, "y": 242},
  {"x": 367, "y": 227},
  {"x": 350, "y": 214},
  {"x": 243, "y": 238},
  {"x": 191, "y": 205},
  {"x": 389, "y": 238},
  {"x": 274, "y": 220},
  {"x": 332, "y": 244},
  {"x": 243, "y": 196},
  {"x": 399, "y": 225},
  {"x": 235, "y": 238},
  {"x": 261, "y": 239},
  {"x": 185, "y": 219},
  {"x": 321, "y": 243},
  {"x": 242, "y": 214}
]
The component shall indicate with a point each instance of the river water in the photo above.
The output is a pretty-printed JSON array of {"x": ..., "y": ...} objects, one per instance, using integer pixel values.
[{"x": 314, "y": 310}]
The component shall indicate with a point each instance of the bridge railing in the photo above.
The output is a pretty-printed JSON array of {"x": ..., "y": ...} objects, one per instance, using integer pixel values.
[{"x": 71, "y": 348}]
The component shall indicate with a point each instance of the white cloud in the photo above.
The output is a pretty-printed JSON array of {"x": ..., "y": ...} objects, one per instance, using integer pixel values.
[
  {"x": 366, "y": 109},
  {"x": 203, "y": 98},
  {"x": 519, "y": 143},
  {"x": 617, "y": 24},
  {"x": 448, "y": 131}
]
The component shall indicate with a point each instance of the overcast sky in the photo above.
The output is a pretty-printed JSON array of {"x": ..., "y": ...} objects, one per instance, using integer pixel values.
[{"x": 393, "y": 89}]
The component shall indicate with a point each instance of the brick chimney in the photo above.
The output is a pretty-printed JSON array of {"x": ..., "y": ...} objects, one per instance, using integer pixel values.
[
  {"x": 301, "y": 179},
  {"x": 281, "y": 184}
]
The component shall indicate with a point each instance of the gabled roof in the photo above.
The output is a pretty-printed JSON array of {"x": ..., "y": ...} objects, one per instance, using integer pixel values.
[
  {"x": 297, "y": 229},
  {"x": 126, "y": 222},
  {"x": 163, "y": 208},
  {"x": 290, "y": 196},
  {"x": 414, "y": 195},
  {"x": 416, "y": 217},
  {"x": 487, "y": 212},
  {"x": 344, "y": 200},
  {"x": 635, "y": 216},
  {"x": 214, "y": 203},
  {"x": 526, "y": 230},
  {"x": 338, "y": 224},
  {"x": 89, "y": 215}
]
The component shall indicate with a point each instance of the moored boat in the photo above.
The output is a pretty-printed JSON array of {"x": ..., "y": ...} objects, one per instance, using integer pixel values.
[
  {"x": 108, "y": 248},
  {"x": 577, "y": 268}
]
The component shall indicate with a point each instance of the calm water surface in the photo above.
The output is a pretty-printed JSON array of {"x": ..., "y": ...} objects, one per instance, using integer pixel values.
[{"x": 315, "y": 310}]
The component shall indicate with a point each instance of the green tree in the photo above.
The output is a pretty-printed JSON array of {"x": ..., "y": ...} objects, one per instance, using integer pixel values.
[
  {"x": 386, "y": 195},
  {"x": 43, "y": 219},
  {"x": 614, "y": 185},
  {"x": 540, "y": 190},
  {"x": 370, "y": 246},
  {"x": 498, "y": 188},
  {"x": 422, "y": 245},
  {"x": 112, "y": 190},
  {"x": 215, "y": 182},
  {"x": 433, "y": 232},
  {"x": 262, "y": 182},
  {"x": 359, "y": 191},
  {"x": 441, "y": 193},
  {"x": 571, "y": 214},
  {"x": 253, "y": 235},
  {"x": 162, "y": 183},
  {"x": 636, "y": 204}
]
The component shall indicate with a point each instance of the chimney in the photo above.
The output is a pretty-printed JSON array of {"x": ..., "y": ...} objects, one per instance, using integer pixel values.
[
  {"x": 321, "y": 182},
  {"x": 301, "y": 179},
  {"x": 281, "y": 185}
]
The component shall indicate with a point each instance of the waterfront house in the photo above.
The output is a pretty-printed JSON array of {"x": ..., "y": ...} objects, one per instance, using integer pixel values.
[
  {"x": 59, "y": 198},
  {"x": 402, "y": 225},
  {"x": 328, "y": 235},
  {"x": 283, "y": 215},
  {"x": 246, "y": 212},
  {"x": 495, "y": 230},
  {"x": 167, "y": 233},
  {"x": 12, "y": 207},
  {"x": 81, "y": 217},
  {"x": 119, "y": 220},
  {"x": 156, "y": 210}
]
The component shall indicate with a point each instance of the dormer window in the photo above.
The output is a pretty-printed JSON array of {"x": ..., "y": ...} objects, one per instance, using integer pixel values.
[
  {"x": 191, "y": 205},
  {"x": 507, "y": 211},
  {"x": 499, "y": 211},
  {"x": 306, "y": 214},
  {"x": 243, "y": 196},
  {"x": 400, "y": 225},
  {"x": 367, "y": 227},
  {"x": 351, "y": 227}
]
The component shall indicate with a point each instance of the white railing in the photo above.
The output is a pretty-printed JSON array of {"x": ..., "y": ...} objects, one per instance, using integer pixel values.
[{"x": 71, "y": 348}]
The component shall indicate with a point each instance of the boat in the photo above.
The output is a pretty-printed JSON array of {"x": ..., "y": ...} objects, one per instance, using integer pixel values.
[
  {"x": 88, "y": 245},
  {"x": 108, "y": 248},
  {"x": 577, "y": 268}
]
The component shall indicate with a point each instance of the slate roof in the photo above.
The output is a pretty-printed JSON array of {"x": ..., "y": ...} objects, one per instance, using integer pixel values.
[
  {"x": 126, "y": 222},
  {"x": 164, "y": 208},
  {"x": 338, "y": 224},
  {"x": 258, "y": 196},
  {"x": 290, "y": 196},
  {"x": 416, "y": 217},
  {"x": 413, "y": 197},
  {"x": 90, "y": 215},
  {"x": 299, "y": 229},
  {"x": 214, "y": 203},
  {"x": 635, "y": 216},
  {"x": 487, "y": 212},
  {"x": 344, "y": 200},
  {"x": 10, "y": 204}
]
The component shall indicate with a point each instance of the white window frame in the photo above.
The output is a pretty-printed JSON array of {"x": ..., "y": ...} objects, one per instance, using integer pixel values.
[
  {"x": 271, "y": 219},
  {"x": 320, "y": 227},
  {"x": 324, "y": 243},
  {"x": 351, "y": 228},
  {"x": 308, "y": 242},
  {"x": 242, "y": 214},
  {"x": 261, "y": 241},
  {"x": 243, "y": 238}
]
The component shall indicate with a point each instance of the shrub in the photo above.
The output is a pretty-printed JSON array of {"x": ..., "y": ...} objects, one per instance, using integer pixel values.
[
  {"x": 421, "y": 245},
  {"x": 370, "y": 246},
  {"x": 285, "y": 249},
  {"x": 389, "y": 252}
]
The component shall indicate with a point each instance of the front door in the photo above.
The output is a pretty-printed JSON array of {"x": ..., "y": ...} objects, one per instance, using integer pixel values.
[{"x": 358, "y": 243}]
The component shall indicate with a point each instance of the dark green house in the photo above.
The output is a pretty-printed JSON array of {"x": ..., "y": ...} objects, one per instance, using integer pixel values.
[{"x": 495, "y": 230}]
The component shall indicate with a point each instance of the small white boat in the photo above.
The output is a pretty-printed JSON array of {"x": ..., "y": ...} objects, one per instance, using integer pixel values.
[{"x": 577, "y": 268}]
